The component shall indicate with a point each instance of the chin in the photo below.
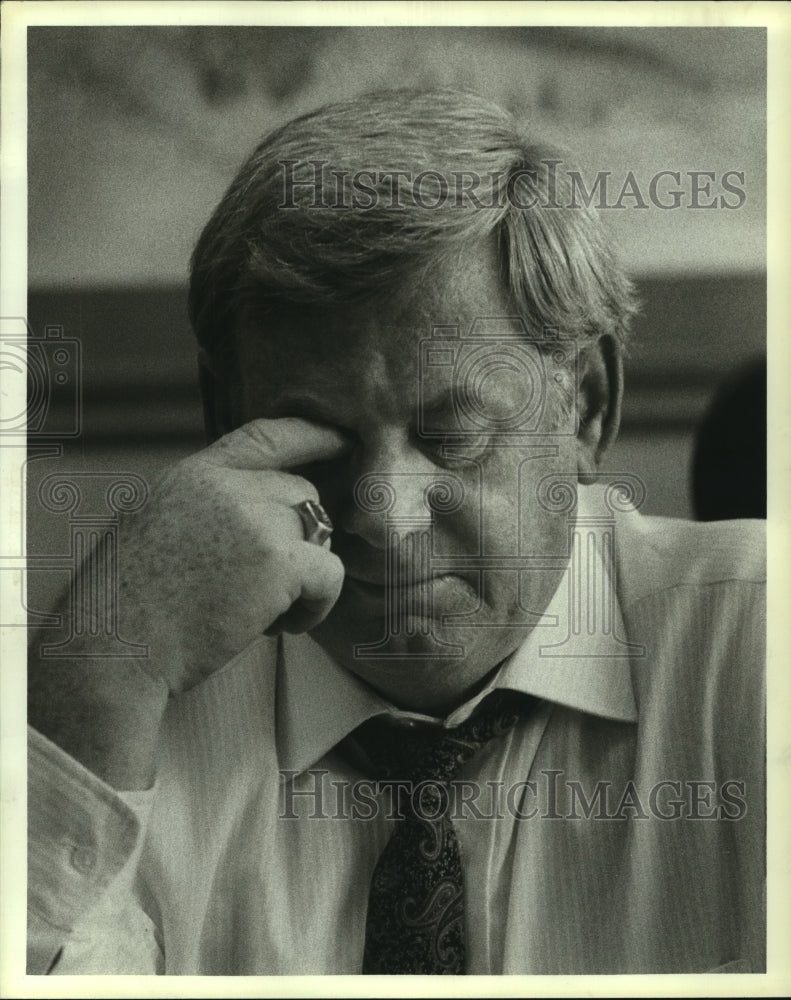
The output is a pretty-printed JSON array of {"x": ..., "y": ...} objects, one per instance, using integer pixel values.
[{"x": 426, "y": 666}]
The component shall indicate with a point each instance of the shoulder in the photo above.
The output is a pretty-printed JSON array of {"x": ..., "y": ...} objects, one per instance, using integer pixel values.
[
  {"x": 658, "y": 554},
  {"x": 696, "y": 589},
  {"x": 693, "y": 596}
]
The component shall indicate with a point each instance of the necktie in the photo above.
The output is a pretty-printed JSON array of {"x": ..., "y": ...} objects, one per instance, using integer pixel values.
[{"x": 415, "y": 922}]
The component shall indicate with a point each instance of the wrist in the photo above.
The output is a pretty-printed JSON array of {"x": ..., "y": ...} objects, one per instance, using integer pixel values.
[{"x": 106, "y": 714}]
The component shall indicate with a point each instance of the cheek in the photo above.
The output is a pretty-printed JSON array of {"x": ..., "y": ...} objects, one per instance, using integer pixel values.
[
  {"x": 502, "y": 512},
  {"x": 510, "y": 526}
]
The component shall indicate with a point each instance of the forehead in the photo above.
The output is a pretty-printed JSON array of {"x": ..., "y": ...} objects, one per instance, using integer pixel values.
[{"x": 292, "y": 348}]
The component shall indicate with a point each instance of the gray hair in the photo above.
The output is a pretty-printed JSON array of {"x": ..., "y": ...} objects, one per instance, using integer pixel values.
[{"x": 320, "y": 243}]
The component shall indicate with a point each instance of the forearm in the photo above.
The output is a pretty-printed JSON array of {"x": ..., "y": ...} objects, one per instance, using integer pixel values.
[{"x": 105, "y": 712}]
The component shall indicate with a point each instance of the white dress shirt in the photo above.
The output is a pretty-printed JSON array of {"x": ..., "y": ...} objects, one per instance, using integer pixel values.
[{"x": 243, "y": 860}]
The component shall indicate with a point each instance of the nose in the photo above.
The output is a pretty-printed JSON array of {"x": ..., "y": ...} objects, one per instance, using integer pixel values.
[{"x": 389, "y": 479}]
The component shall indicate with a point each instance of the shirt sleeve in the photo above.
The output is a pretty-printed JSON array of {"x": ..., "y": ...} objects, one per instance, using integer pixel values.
[{"x": 84, "y": 840}]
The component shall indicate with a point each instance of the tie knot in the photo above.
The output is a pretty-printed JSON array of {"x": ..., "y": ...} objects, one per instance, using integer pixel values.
[{"x": 435, "y": 753}]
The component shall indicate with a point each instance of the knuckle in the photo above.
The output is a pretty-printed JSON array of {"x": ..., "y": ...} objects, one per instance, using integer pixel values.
[
  {"x": 191, "y": 477},
  {"x": 334, "y": 569},
  {"x": 334, "y": 563},
  {"x": 307, "y": 489}
]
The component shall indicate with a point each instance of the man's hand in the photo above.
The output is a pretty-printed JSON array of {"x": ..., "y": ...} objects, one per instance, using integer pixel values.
[{"x": 216, "y": 558}]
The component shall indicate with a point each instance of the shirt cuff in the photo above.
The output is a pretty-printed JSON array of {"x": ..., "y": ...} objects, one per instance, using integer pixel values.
[{"x": 81, "y": 833}]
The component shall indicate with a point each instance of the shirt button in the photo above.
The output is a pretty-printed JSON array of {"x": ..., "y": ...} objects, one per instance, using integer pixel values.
[{"x": 82, "y": 859}]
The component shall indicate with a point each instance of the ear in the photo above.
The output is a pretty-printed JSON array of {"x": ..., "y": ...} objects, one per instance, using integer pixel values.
[
  {"x": 214, "y": 394},
  {"x": 598, "y": 403}
]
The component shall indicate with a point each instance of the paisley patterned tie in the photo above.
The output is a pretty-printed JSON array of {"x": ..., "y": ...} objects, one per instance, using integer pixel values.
[{"x": 415, "y": 919}]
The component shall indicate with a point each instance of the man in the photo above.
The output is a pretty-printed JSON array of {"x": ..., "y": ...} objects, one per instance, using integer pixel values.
[{"x": 496, "y": 721}]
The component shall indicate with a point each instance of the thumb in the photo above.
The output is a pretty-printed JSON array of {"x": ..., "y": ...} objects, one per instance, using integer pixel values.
[{"x": 277, "y": 444}]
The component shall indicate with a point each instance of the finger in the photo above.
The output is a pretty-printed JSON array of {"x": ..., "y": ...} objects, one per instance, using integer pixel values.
[
  {"x": 284, "y": 487},
  {"x": 278, "y": 444},
  {"x": 320, "y": 574}
]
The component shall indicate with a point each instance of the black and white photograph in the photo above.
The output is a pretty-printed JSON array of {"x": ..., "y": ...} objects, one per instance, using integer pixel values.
[{"x": 385, "y": 485}]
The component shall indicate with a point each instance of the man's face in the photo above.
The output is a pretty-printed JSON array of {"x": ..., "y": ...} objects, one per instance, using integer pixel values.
[{"x": 449, "y": 556}]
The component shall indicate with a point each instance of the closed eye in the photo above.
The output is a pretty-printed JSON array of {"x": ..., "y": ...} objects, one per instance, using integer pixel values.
[
  {"x": 307, "y": 410},
  {"x": 453, "y": 447}
]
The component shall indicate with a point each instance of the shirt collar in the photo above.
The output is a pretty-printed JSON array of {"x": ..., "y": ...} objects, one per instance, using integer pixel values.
[{"x": 319, "y": 702}]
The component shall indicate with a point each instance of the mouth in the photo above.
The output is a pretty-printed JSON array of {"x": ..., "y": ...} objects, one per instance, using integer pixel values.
[{"x": 430, "y": 597}]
